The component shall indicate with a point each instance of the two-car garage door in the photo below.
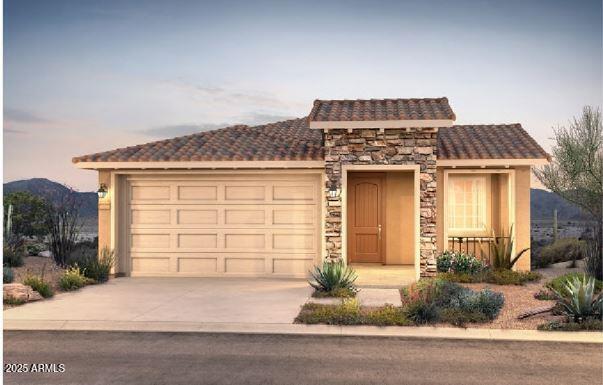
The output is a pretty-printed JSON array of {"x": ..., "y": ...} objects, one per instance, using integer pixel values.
[{"x": 239, "y": 224}]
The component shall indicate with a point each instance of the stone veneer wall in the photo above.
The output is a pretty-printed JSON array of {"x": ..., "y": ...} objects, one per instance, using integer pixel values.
[{"x": 389, "y": 146}]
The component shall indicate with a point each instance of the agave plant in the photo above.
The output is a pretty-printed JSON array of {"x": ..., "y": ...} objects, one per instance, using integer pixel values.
[
  {"x": 578, "y": 298},
  {"x": 333, "y": 276},
  {"x": 502, "y": 251}
]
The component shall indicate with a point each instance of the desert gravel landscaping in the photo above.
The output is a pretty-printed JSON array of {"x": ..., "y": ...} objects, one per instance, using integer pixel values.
[{"x": 518, "y": 299}]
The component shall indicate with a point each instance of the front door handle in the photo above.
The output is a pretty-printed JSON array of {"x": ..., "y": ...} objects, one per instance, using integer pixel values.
[{"x": 379, "y": 228}]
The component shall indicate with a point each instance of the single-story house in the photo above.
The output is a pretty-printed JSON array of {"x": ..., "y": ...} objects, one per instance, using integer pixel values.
[{"x": 384, "y": 182}]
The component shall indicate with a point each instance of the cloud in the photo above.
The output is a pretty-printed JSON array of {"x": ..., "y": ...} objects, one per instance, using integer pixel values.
[
  {"x": 22, "y": 116},
  {"x": 231, "y": 96},
  {"x": 182, "y": 129},
  {"x": 251, "y": 119},
  {"x": 13, "y": 131},
  {"x": 257, "y": 118}
]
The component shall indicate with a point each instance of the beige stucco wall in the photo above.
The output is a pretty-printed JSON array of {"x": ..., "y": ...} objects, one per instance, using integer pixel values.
[
  {"x": 400, "y": 219},
  {"x": 522, "y": 215},
  {"x": 104, "y": 212}
]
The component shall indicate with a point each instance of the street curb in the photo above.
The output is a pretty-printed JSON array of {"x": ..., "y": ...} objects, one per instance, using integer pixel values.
[{"x": 428, "y": 332}]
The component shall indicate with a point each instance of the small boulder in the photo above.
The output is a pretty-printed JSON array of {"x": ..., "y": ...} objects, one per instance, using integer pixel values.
[
  {"x": 45, "y": 253},
  {"x": 21, "y": 293}
]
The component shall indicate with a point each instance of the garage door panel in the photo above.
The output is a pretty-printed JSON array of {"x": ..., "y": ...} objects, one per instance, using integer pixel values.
[
  {"x": 240, "y": 265},
  {"x": 204, "y": 193},
  {"x": 146, "y": 193},
  {"x": 150, "y": 216},
  {"x": 198, "y": 241},
  {"x": 294, "y": 192},
  {"x": 150, "y": 241},
  {"x": 198, "y": 265},
  {"x": 292, "y": 265},
  {"x": 150, "y": 265},
  {"x": 240, "y": 216},
  {"x": 245, "y": 241},
  {"x": 301, "y": 242},
  {"x": 224, "y": 225},
  {"x": 197, "y": 217}
]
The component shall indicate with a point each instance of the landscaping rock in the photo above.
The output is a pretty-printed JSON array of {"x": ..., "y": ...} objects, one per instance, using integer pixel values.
[
  {"x": 45, "y": 253},
  {"x": 21, "y": 293}
]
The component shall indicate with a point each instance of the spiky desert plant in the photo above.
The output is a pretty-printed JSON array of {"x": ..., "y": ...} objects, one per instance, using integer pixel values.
[
  {"x": 578, "y": 298},
  {"x": 333, "y": 276},
  {"x": 502, "y": 251}
]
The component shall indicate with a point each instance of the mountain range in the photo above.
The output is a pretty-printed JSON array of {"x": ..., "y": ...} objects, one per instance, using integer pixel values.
[
  {"x": 542, "y": 202},
  {"x": 54, "y": 192}
]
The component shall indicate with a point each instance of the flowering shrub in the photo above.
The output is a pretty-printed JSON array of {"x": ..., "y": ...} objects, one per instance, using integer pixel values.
[{"x": 459, "y": 262}]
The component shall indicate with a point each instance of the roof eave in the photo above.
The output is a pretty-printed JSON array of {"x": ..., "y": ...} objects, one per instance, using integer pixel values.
[
  {"x": 209, "y": 165},
  {"x": 491, "y": 162}
]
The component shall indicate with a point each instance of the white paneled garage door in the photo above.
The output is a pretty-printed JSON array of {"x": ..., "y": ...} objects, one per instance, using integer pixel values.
[{"x": 239, "y": 224}]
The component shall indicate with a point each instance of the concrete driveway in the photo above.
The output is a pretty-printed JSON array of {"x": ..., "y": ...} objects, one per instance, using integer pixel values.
[{"x": 232, "y": 300}]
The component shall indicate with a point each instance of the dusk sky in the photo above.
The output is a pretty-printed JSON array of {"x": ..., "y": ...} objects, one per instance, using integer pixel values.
[{"x": 87, "y": 76}]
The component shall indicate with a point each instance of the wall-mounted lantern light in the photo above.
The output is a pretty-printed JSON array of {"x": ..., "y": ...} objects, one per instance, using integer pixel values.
[
  {"x": 102, "y": 191},
  {"x": 334, "y": 192}
]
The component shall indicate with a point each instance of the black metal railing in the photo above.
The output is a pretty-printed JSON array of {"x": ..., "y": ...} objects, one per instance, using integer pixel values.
[{"x": 476, "y": 245}]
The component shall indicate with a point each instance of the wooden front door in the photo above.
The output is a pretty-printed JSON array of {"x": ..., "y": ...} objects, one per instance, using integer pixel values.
[{"x": 366, "y": 227}]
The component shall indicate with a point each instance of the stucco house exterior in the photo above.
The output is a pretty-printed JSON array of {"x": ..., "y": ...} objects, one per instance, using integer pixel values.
[{"x": 388, "y": 182}]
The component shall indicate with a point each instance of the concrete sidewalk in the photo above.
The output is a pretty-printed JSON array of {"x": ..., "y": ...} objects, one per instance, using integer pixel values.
[{"x": 296, "y": 329}]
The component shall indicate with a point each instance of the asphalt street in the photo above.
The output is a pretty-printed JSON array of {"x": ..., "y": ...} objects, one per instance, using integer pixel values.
[{"x": 196, "y": 358}]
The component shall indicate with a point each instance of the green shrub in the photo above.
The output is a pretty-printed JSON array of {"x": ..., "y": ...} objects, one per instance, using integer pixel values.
[
  {"x": 8, "y": 276},
  {"x": 437, "y": 300},
  {"x": 511, "y": 277},
  {"x": 346, "y": 313},
  {"x": 333, "y": 276},
  {"x": 387, "y": 315},
  {"x": 350, "y": 313},
  {"x": 586, "y": 325},
  {"x": 579, "y": 300},
  {"x": 82, "y": 253},
  {"x": 558, "y": 283},
  {"x": 564, "y": 250},
  {"x": 459, "y": 317},
  {"x": 72, "y": 279},
  {"x": 485, "y": 302},
  {"x": 497, "y": 277},
  {"x": 99, "y": 268},
  {"x": 34, "y": 249},
  {"x": 12, "y": 257},
  {"x": 460, "y": 263},
  {"x": 544, "y": 295},
  {"x": 336, "y": 293},
  {"x": 422, "y": 312},
  {"x": 37, "y": 283},
  {"x": 13, "y": 301}
]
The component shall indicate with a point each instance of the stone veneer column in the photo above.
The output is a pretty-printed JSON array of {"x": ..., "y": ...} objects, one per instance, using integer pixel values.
[{"x": 389, "y": 146}]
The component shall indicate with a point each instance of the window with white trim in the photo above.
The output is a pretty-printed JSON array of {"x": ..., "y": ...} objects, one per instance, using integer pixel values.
[{"x": 467, "y": 203}]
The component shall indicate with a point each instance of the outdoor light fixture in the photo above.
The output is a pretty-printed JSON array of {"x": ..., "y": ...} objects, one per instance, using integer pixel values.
[
  {"x": 334, "y": 191},
  {"x": 102, "y": 191}
]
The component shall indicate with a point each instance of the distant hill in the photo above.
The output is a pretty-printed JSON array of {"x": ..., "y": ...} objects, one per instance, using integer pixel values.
[
  {"x": 542, "y": 204},
  {"x": 53, "y": 192}
]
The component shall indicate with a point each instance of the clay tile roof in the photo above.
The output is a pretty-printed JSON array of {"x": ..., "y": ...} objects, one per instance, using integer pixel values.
[
  {"x": 493, "y": 141},
  {"x": 294, "y": 140},
  {"x": 381, "y": 109},
  {"x": 287, "y": 140}
]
